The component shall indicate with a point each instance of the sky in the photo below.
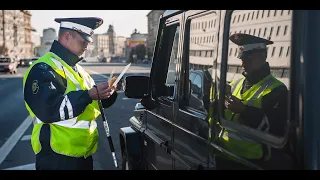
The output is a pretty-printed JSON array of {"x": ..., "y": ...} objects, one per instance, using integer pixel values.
[{"x": 124, "y": 21}]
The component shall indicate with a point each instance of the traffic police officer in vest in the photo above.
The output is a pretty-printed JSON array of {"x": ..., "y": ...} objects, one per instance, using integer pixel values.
[
  {"x": 61, "y": 97},
  {"x": 257, "y": 100}
]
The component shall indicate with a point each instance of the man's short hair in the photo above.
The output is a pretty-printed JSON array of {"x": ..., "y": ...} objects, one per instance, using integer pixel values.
[{"x": 63, "y": 31}]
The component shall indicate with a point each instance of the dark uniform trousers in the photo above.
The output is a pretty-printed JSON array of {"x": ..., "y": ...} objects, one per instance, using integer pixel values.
[{"x": 49, "y": 160}]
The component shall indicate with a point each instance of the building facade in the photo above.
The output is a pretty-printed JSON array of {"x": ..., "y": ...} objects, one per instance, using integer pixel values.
[
  {"x": 120, "y": 46},
  {"x": 101, "y": 45},
  {"x": 153, "y": 23},
  {"x": 49, "y": 35},
  {"x": 15, "y": 33}
]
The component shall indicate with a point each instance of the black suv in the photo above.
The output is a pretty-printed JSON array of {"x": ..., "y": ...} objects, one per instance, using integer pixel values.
[{"x": 177, "y": 122}]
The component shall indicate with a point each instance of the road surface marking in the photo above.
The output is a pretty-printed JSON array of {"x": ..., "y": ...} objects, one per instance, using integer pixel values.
[
  {"x": 26, "y": 137},
  {"x": 125, "y": 98},
  {"x": 23, "y": 167},
  {"x": 94, "y": 72},
  {"x": 14, "y": 138}
]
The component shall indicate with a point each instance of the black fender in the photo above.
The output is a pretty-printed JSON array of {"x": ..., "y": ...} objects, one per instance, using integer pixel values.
[{"x": 131, "y": 148}]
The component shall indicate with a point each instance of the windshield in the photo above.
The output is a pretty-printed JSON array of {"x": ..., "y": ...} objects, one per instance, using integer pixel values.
[{"x": 4, "y": 59}]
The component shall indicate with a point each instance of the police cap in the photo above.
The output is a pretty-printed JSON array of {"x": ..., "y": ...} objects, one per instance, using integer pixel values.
[
  {"x": 83, "y": 25},
  {"x": 248, "y": 43}
]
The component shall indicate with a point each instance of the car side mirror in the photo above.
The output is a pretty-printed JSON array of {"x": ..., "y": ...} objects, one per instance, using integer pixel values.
[{"x": 136, "y": 87}]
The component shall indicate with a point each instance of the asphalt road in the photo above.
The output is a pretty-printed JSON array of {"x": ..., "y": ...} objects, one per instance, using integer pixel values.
[{"x": 16, "y": 125}]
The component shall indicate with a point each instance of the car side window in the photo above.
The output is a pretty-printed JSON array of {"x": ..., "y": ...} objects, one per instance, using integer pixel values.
[
  {"x": 196, "y": 86},
  {"x": 200, "y": 49},
  {"x": 192, "y": 76},
  {"x": 164, "y": 66},
  {"x": 173, "y": 60},
  {"x": 254, "y": 105}
]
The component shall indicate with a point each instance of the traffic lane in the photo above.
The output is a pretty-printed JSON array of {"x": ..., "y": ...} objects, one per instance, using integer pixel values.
[
  {"x": 118, "y": 116},
  {"x": 22, "y": 154},
  {"x": 12, "y": 107}
]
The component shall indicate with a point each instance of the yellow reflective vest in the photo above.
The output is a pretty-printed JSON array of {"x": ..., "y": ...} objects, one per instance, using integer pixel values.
[
  {"x": 236, "y": 143},
  {"x": 76, "y": 136}
]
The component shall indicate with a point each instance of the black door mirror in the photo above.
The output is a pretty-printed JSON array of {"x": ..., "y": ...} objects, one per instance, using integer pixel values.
[{"x": 136, "y": 87}]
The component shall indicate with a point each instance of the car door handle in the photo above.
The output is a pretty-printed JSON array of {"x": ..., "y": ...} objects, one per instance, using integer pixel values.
[{"x": 166, "y": 146}]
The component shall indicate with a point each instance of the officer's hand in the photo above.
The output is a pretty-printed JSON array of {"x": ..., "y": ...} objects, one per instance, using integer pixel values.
[
  {"x": 104, "y": 91},
  {"x": 234, "y": 104},
  {"x": 117, "y": 86}
]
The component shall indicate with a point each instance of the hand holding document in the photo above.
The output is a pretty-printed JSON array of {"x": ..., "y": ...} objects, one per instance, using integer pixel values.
[{"x": 121, "y": 75}]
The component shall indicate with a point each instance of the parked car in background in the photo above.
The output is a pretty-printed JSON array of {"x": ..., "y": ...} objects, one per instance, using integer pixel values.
[
  {"x": 8, "y": 64},
  {"x": 27, "y": 61}
]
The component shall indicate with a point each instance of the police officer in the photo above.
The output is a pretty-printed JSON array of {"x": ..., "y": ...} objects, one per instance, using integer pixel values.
[
  {"x": 61, "y": 97},
  {"x": 257, "y": 100}
]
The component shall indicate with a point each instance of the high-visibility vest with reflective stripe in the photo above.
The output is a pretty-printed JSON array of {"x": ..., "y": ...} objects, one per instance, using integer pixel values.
[
  {"x": 76, "y": 136},
  {"x": 232, "y": 141}
]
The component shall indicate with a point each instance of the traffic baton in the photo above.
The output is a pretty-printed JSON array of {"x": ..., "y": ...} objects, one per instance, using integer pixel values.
[{"x": 106, "y": 128}]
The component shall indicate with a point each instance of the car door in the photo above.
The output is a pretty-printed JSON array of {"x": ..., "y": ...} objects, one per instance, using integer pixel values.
[
  {"x": 271, "y": 130},
  {"x": 191, "y": 128},
  {"x": 163, "y": 83}
]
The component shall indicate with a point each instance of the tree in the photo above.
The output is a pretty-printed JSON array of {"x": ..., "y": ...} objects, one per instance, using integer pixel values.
[{"x": 140, "y": 51}]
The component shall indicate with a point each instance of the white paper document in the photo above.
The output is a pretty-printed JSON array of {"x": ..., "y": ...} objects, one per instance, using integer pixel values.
[{"x": 121, "y": 75}]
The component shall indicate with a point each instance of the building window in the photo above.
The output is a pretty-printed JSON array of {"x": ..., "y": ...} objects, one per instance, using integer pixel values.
[
  {"x": 271, "y": 31},
  {"x": 262, "y": 13},
  {"x": 252, "y": 15},
  {"x": 285, "y": 30},
  {"x": 288, "y": 50},
  {"x": 248, "y": 17},
  {"x": 268, "y": 13},
  {"x": 257, "y": 14},
  {"x": 234, "y": 19},
  {"x": 273, "y": 50},
  {"x": 278, "y": 30},
  {"x": 280, "y": 53},
  {"x": 275, "y": 13}
]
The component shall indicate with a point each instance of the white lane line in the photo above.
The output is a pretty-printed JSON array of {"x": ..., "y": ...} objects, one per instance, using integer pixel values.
[
  {"x": 23, "y": 167},
  {"x": 125, "y": 98},
  {"x": 26, "y": 137},
  {"x": 14, "y": 138},
  {"x": 94, "y": 72}
]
